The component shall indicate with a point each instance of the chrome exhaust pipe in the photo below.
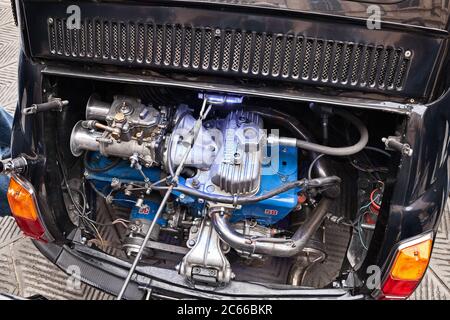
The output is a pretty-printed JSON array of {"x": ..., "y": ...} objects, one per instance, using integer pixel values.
[{"x": 277, "y": 247}]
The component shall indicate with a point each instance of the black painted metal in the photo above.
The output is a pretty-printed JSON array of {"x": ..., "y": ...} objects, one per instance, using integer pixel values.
[
  {"x": 107, "y": 273},
  {"x": 421, "y": 187},
  {"x": 289, "y": 57},
  {"x": 424, "y": 14},
  {"x": 319, "y": 53}
]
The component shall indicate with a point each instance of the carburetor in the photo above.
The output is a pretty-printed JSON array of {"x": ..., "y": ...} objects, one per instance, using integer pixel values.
[{"x": 132, "y": 129}]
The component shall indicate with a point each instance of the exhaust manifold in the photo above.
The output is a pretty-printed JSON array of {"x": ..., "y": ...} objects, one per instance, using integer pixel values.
[{"x": 278, "y": 247}]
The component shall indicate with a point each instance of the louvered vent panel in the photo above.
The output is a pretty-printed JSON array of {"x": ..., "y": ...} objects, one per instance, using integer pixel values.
[{"x": 240, "y": 52}]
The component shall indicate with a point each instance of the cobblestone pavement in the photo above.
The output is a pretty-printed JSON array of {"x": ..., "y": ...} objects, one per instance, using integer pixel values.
[
  {"x": 24, "y": 271},
  {"x": 9, "y": 44}
]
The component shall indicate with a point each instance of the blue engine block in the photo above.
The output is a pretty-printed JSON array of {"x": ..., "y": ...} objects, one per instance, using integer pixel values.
[
  {"x": 274, "y": 175},
  {"x": 267, "y": 212},
  {"x": 122, "y": 171}
]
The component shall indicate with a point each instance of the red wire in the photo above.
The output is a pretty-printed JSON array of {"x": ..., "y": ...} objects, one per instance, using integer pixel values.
[{"x": 372, "y": 201}]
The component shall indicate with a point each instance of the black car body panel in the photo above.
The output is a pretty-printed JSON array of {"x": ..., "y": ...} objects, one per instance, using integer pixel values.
[
  {"x": 258, "y": 46},
  {"x": 422, "y": 13},
  {"x": 417, "y": 198},
  {"x": 107, "y": 273}
]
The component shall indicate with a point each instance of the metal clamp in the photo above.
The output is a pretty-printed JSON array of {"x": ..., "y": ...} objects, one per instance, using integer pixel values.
[
  {"x": 16, "y": 165},
  {"x": 393, "y": 143}
]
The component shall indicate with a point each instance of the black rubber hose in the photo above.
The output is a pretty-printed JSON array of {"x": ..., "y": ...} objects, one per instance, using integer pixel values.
[
  {"x": 111, "y": 165},
  {"x": 293, "y": 125},
  {"x": 340, "y": 151},
  {"x": 291, "y": 122},
  {"x": 307, "y": 142},
  {"x": 240, "y": 200},
  {"x": 322, "y": 167}
]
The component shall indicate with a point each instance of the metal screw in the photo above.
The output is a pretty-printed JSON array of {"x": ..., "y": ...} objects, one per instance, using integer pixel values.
[
  {"x": 195, "y": 183},
  {"x": 408, "y": 53},
  {"x": 115, "y": 183},
  {"x": 50, "y": 20}
]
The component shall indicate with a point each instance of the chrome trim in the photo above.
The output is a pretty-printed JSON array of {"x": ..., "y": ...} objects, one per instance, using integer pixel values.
[
  {"x": 409, "y": 243},
  {"x": 267, "y": 92}
]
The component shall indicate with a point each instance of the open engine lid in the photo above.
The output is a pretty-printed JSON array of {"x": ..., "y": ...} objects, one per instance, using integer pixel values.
[{"x": 421, "y": 13}]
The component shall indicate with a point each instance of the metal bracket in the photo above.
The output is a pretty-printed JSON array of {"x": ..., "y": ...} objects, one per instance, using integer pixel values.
[
  {"x": 206, "y": 261},
  {"x": 56, "y": 104}
]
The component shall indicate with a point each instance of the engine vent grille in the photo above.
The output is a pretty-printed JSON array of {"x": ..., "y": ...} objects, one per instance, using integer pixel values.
[{"x": 292, "y": 57}]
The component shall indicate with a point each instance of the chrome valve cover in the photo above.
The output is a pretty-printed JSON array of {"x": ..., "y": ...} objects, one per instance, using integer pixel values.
[{"x": 238, "y": 170}]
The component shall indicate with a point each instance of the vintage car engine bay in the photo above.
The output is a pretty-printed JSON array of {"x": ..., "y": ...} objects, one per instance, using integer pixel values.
[
  {"x": 218, "y": 187},
  {"x": 232, "y": 149}
]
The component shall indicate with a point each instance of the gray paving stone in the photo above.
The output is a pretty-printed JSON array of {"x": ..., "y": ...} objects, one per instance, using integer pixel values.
[
  {"x": 436, "y": 283},
  {"x": 25, "y": 272}
]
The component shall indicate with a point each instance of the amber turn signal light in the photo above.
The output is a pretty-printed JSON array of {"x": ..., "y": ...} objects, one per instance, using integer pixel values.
[
  {"x": 408, "y": 268},
  {"x": 411, "y": 262},
  {"x": 23, "y": 204}
]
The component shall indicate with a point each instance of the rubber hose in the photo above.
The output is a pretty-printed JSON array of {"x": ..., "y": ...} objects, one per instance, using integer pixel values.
[
  {"x": 240, "y": 200},
  {"x": 322, "y": 167},
  {"x": 340, "y": 151}
]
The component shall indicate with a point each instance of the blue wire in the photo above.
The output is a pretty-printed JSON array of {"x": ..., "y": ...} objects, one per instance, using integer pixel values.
[{"x": 125, "y": 200}]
